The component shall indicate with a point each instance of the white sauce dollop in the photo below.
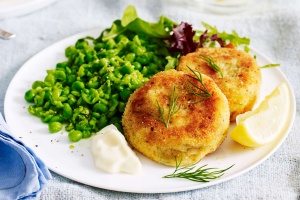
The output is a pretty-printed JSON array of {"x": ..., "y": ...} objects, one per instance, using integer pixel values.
[{"x": 112, "y": 154}]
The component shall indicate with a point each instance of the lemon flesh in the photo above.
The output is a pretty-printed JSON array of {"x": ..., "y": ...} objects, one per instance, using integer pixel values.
[{"x": 264, "y": 124}]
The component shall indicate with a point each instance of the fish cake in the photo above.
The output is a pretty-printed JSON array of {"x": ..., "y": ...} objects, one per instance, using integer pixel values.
[
  {"x": 198, "y": 127},
  {"x": 241, "y": 75}
]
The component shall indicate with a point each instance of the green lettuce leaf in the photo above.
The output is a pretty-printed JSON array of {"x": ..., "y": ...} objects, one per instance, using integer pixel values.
[{"x": 130, "y": 21}]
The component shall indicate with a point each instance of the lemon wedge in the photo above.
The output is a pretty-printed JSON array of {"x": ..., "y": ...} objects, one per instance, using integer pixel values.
[{"x": 264, "y": 124}]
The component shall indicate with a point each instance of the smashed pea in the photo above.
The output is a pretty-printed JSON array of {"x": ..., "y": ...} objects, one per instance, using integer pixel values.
[
  {"x": 90, "y": 89},
  {"x": 54, "y": 127},
  {"x": 75, "y": 135}
]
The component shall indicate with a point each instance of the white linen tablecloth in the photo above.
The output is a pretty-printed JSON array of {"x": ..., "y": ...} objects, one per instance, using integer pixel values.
[{"x": 274, "y": 29}]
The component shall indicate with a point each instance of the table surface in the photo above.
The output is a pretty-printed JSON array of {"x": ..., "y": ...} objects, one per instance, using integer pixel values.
[{"x": 274, "y": 28}]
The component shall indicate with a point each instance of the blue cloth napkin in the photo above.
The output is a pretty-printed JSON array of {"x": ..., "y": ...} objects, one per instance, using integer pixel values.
[{"x": 22, "y": 174}]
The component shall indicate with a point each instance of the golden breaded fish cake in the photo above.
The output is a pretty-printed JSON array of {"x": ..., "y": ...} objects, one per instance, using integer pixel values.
[
  {"x": 241, "y": 75},
  {"x": 197, "y": 125}
]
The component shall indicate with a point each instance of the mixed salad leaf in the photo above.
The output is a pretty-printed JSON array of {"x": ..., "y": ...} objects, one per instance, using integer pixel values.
[
  {"x": 186, "y": 40},
  {"x": 180, "y": 38},
  {"x": 130, "y": 21}
]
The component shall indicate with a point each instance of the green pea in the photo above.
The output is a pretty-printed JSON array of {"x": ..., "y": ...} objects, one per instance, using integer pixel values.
[
  {"x": 158, "y": 61},
  {"x": 76, "y": 93},
  {"x": 74, "y": 69},
  {"x": 81, "y": 44},
  {"x": 119, "y": 87},
  {"x": 39, "y": 99},
  {"x": 96, "y": 115},
  {"x": 93, "y": 124},
  {"x": 114, "y": 63},
  {"x": 77, "y": 85},
  {"x": 130, "y": 57},
  {"x": 67, "y": 111},
  {"x": 113, "y": 78},
  {"x": 69, "y": 127},
  {"x": 104, "y": 101},
  {"x": 86, "y": 134},
  {"x": 57, "y": 118},
  {"x": 103, "y": 62},
  {"x": 80, "y": 59},
  {"x": 60, "y": 75},
  {"x": 85, "y": 111},
  {"x": 57, "y": 99},
  {"x": 47, "y": 115},
  {"x": 80, "y": 102},
  {"x": 54, "y": 127},
  {"x": 50, "y": 79},
  {"x": 93, "y": 85},
  {"x": 100, "y": 107},
  {"x": 136, "y": 40},
  {"x": 83, "y": 69},
  {"x": 90, "y": 54},
  {"x": 29, "y": 95},
  {"x": 31, "y": 109},
  {"x": 99, "y": 46},
  {"x": 102, "y": 122},
  {"x": 90, "y": 96},
  {"x": 68, "y": 70},
  {"x": 113, "y": 103},
  {"x": 111, "y": 113},
  {"x": 137, "y": 66},
  {"x": 63, "y": 65},
  {"x": 127, "y": 68},
  {"x": 48, "y": 94},
  {"x": 47, "y": 105},
  {"x": 93, "y": 82},
  {"x": 66, "y": 91},
  {"x": 110, "y": 44},
  {"x": 71, "y": 52},
  {"x": 103, "y": 79},
  {"x": 105, "y": 87},
  {"x": 139, "y": 51},
  {"x": 34, "y": 110},
  {"x": 71, "y": 99},
  {"x": 37, "y": 84},
  {"x": 121, "y": 107},
  {"x": 56, "y": 94},
  {"x": 115, "y": 119},
  {"x": 58, "y": 85},
  {"x": 145, "y": 58},
  {"x": 125, "y": 93},
  {"x": 75, "y": 135},
  {"x": 144, "y": 70},
  {"x": 82, "y": 126},
  {"x": 152, "y": 68}
]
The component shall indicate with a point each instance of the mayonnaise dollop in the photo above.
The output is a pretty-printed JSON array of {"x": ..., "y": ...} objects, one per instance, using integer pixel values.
[{"x": 112, "y": 154}]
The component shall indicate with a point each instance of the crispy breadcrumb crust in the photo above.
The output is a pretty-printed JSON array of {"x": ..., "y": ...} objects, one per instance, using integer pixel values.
[
  {"x": 194, "y": 131},
  {"x": 241, "y": 75}
]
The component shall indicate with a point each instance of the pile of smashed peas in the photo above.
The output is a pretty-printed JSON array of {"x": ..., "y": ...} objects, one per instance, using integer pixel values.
[{"x": 89, "y": 91}]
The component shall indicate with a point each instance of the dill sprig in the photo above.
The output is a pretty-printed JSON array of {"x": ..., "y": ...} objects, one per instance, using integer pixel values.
[
  {"x": 201, "y": 174},
  {"x": 211, "y": 63},
  {"x": 173, "y": 108},
  {"x": 270, "y": 66},
  {"x": 195, "y": 89}
]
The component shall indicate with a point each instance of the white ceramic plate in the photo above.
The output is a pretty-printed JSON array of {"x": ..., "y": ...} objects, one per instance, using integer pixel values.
[
  {"x": 77, "y": 164},
  {"x": 14, "y": 8}
]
